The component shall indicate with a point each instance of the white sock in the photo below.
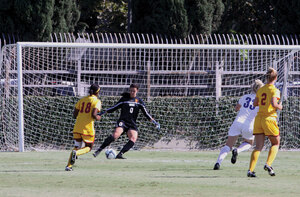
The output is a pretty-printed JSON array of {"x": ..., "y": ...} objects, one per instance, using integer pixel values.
[
  {"x": 243, "y": 147},
  {"x": 223, "y": 153}
]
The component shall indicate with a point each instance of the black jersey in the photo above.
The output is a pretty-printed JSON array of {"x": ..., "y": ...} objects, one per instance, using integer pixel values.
[{"x": 130, "y": 108}]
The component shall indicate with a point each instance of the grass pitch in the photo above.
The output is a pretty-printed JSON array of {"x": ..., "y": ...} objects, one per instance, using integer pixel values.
[{"x": 145, "y": 173}]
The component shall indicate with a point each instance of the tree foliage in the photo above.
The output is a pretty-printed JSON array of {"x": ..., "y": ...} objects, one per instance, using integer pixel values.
[
  {"x": 247, "y": 16},
  {"x": 35, "y": 20},
  {"x": 204, "y": 15},
  {"x": 103, "y": 16},
  {"x": 287, "y": 16},
  {"x": 167, "y": 17},
  {"x": 262, "y": 17}
]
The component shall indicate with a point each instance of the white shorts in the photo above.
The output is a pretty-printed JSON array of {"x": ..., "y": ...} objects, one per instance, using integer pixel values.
[{"x": 244, "y": 129}]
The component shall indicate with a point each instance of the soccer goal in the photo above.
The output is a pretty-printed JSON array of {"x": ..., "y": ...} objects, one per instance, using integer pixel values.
[{"x": 190, "y": 89}]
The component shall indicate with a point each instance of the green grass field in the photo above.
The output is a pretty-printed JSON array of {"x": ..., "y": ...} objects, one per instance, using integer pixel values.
[{"x": 145, "y": 173}]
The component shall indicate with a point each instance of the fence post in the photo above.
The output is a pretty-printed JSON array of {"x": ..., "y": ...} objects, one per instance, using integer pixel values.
[
  {"x": 148, "y": 81},
  {"x": 219, "y": 69}
]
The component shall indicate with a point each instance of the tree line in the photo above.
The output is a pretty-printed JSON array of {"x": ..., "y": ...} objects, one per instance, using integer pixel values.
[{"x": 35, "y": 20}]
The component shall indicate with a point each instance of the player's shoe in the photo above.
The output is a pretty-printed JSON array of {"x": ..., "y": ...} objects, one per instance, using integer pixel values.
[
  {"x": 120, "y": 156},
  {"x": 73, "y": 157},
  {"x": 234, "y": 156},
  {"x": 251, "y": 174},
  {"x": 217, "y": 166},
  {"x": 97, "y": 152},
  {"x": 68, "y": 168},
  {"x": 269, "y": 169}
]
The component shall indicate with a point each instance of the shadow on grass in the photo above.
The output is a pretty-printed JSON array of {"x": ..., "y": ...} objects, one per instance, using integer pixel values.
[
  {"x": 47, "y": 170},
  {"x": 187, "y": 177}
]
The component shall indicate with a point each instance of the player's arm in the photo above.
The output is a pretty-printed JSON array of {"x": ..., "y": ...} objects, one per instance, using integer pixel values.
[
  {"x": 238, "y": 107},
  {"x": 275, "y": 104},
  {"x": 148, "y": 116},
  {"x": 111, "y": 109},
  {"x": 95, "y": 114},
  {"x": 75, "y": 113},
  {"x": 255, "y": 102}
]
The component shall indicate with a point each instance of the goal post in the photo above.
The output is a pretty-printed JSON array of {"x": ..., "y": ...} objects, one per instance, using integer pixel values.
[
  {"x": 189, "y": 89},
  {"x": 20, "y": 97}
]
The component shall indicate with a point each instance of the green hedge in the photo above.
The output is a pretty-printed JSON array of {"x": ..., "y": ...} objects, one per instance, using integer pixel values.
[{"x": 48, "y": 121}]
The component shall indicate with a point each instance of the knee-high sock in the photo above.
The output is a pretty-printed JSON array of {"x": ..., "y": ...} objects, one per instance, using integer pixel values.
[
  {"x": 223, "y": 153},
  {"x": 106, "y": 142},
  {"x": 254, "y": 157},
  {"x": 69, "y": 164},
  {"x": 127, "y": 147},
  {"x": 83, "y": 150},
  {"x": 272, "y": 154},
  {"x": 243, "y": 147}
]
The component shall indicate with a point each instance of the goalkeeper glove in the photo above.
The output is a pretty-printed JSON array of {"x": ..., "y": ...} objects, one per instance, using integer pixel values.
[
  {"x": 101, "y": 113},
  {"x": 156, "y": 124}
]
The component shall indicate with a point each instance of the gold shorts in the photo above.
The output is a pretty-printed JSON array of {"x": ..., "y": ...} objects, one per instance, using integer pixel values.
[
  {"x": 266, "y": 125},
  {"x": 85, "y": 138}
]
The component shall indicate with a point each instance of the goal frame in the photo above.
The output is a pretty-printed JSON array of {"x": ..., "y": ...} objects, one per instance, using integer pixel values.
[{"x": 21, "y": 45}]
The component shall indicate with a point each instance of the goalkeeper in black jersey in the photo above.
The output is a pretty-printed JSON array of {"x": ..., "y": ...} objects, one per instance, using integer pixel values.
[{"x": 130, "y": 106}]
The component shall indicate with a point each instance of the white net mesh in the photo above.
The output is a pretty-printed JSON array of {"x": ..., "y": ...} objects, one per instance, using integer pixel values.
[{"x": 191, "y": 92}]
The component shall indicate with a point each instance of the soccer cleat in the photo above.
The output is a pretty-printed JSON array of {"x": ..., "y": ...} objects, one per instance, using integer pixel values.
[
  {"x": 96, "y": 153},
  {"x": 217, "y": 166},
  {"x": 120, "y": 156},
  {"x": 68, "y": 168},
  {"x": 251, "y": 174},
  {"x": 269, "y": 169},
  {"x": 234, "y": 156},
  {"x": 73, "y": 157}
]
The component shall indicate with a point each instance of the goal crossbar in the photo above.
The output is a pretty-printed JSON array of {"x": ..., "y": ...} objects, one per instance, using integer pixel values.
[{"x": 159, "y": 46}]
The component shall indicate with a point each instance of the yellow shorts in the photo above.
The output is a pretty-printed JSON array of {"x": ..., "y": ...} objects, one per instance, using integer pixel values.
[
  {"x": 266, "y": 125},
  {"x": 85, "y": 138}
]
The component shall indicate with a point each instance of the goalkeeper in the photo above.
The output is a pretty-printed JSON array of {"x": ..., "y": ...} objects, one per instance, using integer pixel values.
[
  {"x": 85, "y": 112},
  {"x": 130, "y": 105},
  {"x": 242, "y": 125}
]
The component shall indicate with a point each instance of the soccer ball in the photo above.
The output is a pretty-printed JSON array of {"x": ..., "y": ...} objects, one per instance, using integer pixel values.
[{"x": 110, "y": 154}]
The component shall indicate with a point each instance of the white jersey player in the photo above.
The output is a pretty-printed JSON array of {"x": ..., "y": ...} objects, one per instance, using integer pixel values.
[{"x": 242, "y": 125}]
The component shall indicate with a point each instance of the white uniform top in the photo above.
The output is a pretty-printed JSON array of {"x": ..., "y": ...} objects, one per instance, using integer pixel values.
[{"x": 244, "y": 121}]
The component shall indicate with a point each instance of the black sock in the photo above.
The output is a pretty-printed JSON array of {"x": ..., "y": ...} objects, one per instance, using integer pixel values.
[
  {"x": 106, "y": 142},
  {"x": 127, "y": 147}
]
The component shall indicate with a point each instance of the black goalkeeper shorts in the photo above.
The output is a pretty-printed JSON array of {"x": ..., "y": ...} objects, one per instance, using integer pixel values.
[{"x": 126, "y": 126}]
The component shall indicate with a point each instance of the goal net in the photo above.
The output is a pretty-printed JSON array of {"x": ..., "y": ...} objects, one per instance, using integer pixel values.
[{"x": 190, "y": 89}]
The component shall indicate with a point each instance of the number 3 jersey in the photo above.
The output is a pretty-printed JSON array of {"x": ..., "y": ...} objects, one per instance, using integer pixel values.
[
  {"x": 130, "y": 108},
  {"x": 247, "y": 111},
  {"x": 244, "y": 121},
  {"x": 84, "y": 121}
]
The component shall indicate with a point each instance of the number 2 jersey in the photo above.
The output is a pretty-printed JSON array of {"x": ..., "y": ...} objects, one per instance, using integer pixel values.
[
  {"x": 130, "y": 108},
  {"x": 265, "y": 95},
  {"x": 85, "y": 122}
]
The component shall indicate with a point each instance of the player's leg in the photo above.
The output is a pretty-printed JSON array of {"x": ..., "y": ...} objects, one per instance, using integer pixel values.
[
  {"x": 272, "y": 131},
  {"x": 72, "y": 157},
  {"x": 247, "y": 134},
  {"x": 118, "y": 131},
  {"x": 132, "y": 135},
  {"x": 275, "y": 141},
  {"x": 244, "y": 146},
  {"x": 225, "y": 150},
  {"x": 259, "y": 141},
  {"x": 87, "y": 145}
]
